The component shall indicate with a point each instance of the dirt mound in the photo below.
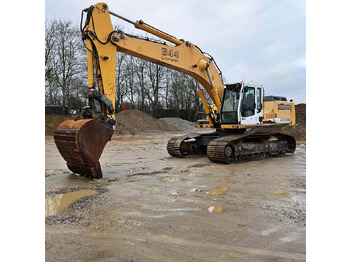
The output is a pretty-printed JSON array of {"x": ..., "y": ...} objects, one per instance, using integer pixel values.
[
  {"x": 300, "y": 111},
  {"x": 298, "y": 131},
  {"x": 181, "y": 124},
  {"x": 52, "y": 122},
  {"x": 135, "y": 122}
]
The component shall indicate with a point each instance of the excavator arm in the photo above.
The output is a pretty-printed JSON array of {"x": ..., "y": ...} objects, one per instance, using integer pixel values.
[
  {"x": 182, "y": 56},
  {"x": 82, "y": 141}
]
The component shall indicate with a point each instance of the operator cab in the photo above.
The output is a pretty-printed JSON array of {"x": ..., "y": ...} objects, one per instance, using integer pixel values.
[{"x": 242, "y": 104}]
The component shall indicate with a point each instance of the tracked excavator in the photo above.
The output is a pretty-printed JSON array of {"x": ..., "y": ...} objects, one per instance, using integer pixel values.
[{"x": 237, "y": 111}]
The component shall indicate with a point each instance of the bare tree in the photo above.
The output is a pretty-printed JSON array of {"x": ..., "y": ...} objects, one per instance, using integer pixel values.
[
  {"x": 130, "y": 80},
  {"x": 155, "y": 74},
  {"x": 63, "y": 61},
  {"x": 141, "y": 81},
  {"x": 121, "y": 75},
  {"x": 50, "y": 94}
]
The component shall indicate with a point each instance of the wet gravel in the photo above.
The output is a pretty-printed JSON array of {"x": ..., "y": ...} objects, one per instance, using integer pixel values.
[{"x": 153, "y": 207}]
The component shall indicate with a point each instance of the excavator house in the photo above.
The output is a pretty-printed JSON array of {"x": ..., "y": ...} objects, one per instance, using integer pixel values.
[{"x": 237, "y": 111}]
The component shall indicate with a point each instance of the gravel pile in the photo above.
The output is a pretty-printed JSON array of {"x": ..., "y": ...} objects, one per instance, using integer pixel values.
[
  {"x": 181, "y": 124},
  {"x": 135, "y": 122}
]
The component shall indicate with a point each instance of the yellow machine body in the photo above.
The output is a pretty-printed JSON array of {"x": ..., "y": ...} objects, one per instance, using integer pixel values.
[{"x": 280, "y": 112}]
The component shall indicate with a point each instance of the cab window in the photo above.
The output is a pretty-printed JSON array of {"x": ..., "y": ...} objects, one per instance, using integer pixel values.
[
  {"x": 248, "y": 103},
  {"x": 258, "y": 100},
  {"x": 230, "y": 104}
]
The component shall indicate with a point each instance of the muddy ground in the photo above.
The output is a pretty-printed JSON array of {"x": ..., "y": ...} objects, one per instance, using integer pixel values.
[{"x": 152, "y": 207}]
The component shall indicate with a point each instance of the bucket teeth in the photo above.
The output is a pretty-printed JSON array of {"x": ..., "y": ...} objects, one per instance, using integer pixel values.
[{"x": 81, "y": 143}]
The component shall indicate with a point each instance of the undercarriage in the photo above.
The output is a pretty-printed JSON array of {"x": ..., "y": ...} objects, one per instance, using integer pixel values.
[{"x": 232, "y": 147}]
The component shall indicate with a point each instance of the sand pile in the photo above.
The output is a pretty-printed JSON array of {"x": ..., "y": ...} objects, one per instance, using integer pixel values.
[
  {"x": 181, "y": 124},
  {"x": 134, "y": 122}
]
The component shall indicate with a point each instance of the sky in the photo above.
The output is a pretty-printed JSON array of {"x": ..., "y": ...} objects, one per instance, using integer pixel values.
[{"x": 258, "y": 41}]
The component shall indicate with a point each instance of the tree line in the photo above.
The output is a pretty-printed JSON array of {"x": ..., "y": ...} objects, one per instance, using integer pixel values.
[{"x": 140, "y": 84}]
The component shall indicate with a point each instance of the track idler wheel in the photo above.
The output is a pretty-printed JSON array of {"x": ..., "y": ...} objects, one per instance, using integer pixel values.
[
  {"x": 81, "y": 143},
  {"x": 228, "y": 151}
]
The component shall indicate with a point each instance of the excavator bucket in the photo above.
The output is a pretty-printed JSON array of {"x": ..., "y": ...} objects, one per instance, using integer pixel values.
[{"x": 81, "y": 143}]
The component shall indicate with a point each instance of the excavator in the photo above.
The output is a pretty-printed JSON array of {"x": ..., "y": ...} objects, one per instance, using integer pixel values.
[{"x": 238, "y": 111}]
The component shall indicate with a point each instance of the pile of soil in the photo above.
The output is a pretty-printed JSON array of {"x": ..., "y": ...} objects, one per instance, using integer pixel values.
[
  {"x": 300, "y": 111},
  {"x": 52, "y": 122},
  {"x": 135, "y": 122},
  {"x": 298, "y": 131},
  {"x": 181, "y": 124}
]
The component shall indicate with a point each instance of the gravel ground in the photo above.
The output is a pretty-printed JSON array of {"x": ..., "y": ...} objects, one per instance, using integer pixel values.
[{"x": 150, "y": 206}]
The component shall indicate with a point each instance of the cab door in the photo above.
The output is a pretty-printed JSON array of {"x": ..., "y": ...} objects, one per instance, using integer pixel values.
[{"x": 251, "y": 105}]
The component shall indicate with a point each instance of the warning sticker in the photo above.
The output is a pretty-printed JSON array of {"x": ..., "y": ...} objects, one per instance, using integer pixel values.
[{"x": 284, "y": 107}]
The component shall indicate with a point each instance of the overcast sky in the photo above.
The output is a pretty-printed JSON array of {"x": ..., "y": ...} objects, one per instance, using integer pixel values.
[{"x": 260, "y": 41}]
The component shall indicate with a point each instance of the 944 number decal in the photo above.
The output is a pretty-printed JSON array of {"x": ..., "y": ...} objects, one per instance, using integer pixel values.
[{"x": 170, "y": 54}]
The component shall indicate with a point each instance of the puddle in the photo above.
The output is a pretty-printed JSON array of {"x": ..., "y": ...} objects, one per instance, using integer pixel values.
[
  {"x": 215, "y": 209},
  {"x": 225, "y": 181},
  {"x": 137, "y": 169},
  {"x": 270, "y": 198},
  {"x": 179, "y": 170},
  {"x": 172, "y": 179},
  {"x": 280, "y": 193},
  {"x": 154, "y": 191},
  {"x": 58, "y": 203},
  {"x": 182, "y": 209},
  {"x": 49, "y": 172},
  {"x": 199, "y": 165},
  {"x": 195, "y": 190},
  {"x": 269, "y": 231},
  {"x": 220, "y": 190},
  {"x": 194, "y": 174}
]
